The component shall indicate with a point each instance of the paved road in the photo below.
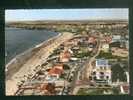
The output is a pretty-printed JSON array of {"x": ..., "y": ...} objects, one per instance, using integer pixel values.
[
  {"x": 76, "y": 74},
  {"x": 87, "y": 69},
  {"x": 90, "y": 67}
]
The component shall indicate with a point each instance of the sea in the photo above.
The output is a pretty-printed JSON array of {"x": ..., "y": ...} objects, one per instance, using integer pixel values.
[{"x": 18, "y": 40}]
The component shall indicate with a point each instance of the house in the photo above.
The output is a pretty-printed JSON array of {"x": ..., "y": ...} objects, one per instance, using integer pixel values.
[
  {"x": 101, "y": 62},
  {"x": 55, "y": 72},
  {"x": 108, "y": 39},
  {"x": 116, "y": 38},
  {"x": 48, "y": 88},
  {"x": 65, "y": 56},
  {"x": 102, "y": 71},
  {"x": 92, "y": 40},
  {"x": 124, "y": 89}
]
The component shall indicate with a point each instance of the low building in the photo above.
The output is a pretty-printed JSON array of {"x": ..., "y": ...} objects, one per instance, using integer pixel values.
[
  {"x": 102, "y": 71},
  {"x": 55, "y": 72},
  {"x": 108, "y": 39},
  {"x": 48, "y": 88},
  {"x": 65, "y": 56},
  {"x": 101, "y": 62},
  {"x": 116, "y": 38},
  {"x": 124, "y": 89},
  {"x": 92, "y": 40}
]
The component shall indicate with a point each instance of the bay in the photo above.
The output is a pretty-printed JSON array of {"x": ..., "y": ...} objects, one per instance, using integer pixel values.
[{"x": 18, "y": 40}]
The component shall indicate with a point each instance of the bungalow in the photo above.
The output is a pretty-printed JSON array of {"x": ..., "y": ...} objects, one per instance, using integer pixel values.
[
  {"x": 65, "y": 56},
  {"x": 108, "y": 39},
  {"x": 55, "y": 72},
  {"x": 116, "y": 38},
  {"x": 48, "y": 88},
  {"x": 124, "y": 89},
  {"x": 91, "y": 40}
]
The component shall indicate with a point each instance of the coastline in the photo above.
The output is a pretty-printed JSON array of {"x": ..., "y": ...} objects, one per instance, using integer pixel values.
[
  {"x": 38, "y": 46},
  {"x": 43, "y": 51},
  {"x": 29, "y": 39}
]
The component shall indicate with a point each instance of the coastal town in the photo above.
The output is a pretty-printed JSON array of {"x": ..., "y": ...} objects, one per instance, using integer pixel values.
[{"x": 86, "y": 58}]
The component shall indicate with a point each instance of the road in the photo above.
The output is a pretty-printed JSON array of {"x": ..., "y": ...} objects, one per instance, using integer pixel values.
[
  {"x": 87, "y": 69},
  {"x": 90, "y": 67},
  {"x": 76, "y": 74}
]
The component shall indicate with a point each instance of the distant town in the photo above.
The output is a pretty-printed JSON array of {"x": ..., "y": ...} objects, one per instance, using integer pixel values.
[{"x": 86, "y": 58}]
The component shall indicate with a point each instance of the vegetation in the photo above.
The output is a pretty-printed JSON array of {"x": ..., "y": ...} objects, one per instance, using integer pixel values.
[
  {"x": 66, "y": 67},
  {"x": 63, "y": 76},
  {"x": 108, "y": 55},
  {"x": 118, "y": 73},
  {"x": 82, "y": 54},
  {"x": 115, "y": 44},
  {"x": 98, "y": 91}
]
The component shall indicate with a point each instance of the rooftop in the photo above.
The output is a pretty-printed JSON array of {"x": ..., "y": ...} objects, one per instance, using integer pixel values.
[
  {"x": 57, "y": 69},
  {"x": 101, "y": 62}
]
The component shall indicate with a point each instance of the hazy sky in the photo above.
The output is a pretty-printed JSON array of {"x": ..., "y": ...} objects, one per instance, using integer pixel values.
[{"x": 65, "y": 14}]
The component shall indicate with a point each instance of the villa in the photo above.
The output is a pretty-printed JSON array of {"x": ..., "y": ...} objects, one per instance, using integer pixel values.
[
  {"x": 55, "y": 72},
  {"x": 65, "y": 56},
  {"x": 102, "y": 71}
]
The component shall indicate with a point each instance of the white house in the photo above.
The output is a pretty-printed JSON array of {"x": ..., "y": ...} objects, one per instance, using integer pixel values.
[{"x": 103, "y": 70}]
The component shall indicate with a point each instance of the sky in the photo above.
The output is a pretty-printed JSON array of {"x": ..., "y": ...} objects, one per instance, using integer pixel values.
[{"x": 65, "y": 14}]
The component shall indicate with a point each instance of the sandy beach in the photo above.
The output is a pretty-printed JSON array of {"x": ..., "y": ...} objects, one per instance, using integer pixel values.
[{"x": 37, "y": 59}]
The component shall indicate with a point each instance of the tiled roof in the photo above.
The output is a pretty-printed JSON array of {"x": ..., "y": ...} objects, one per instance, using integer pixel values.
[{"x": 55, "y": 71}]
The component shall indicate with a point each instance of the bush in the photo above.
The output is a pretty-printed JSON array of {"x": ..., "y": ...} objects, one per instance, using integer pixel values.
[
  {"x": 118, "y": 73},
  {"x": 66, "y": 67},
  {"x": 108, "y": 55}
]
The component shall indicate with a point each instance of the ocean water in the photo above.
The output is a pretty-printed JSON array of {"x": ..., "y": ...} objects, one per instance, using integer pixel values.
[{"x": 18, "y": 40}]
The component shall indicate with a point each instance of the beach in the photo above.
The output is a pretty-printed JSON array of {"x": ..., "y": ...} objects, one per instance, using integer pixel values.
[{"x": 39, "y": 57}]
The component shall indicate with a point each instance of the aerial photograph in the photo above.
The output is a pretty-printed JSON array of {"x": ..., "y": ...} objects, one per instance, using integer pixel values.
[{"x": 67, "y": 52}]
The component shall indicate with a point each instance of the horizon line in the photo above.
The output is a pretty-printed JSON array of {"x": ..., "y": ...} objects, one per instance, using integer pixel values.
[{"x": 67, "y": 20}]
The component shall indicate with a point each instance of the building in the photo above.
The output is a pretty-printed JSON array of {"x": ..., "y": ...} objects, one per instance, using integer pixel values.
[
  {"x": 116, "y": 38},
  {"x": 65, "y": 56},
  {"x": 124, "y": 89},
  {"x": 101, "y": 62},
  {"x": 102, "y": 71},
  {"x": 108, "y": 39},
  {"x": 55, "y": 72},
  {"x": 91, "y": 40},
  {"x": 48, "y": 89}
]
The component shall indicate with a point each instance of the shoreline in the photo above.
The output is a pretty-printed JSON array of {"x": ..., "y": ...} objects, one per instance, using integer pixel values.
[
  {"x": 38, "y": 46},
  {"x": 38, "y": 58},
  {"x": 13, "y": 66},
  {"x": 29, "y": 48}
]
